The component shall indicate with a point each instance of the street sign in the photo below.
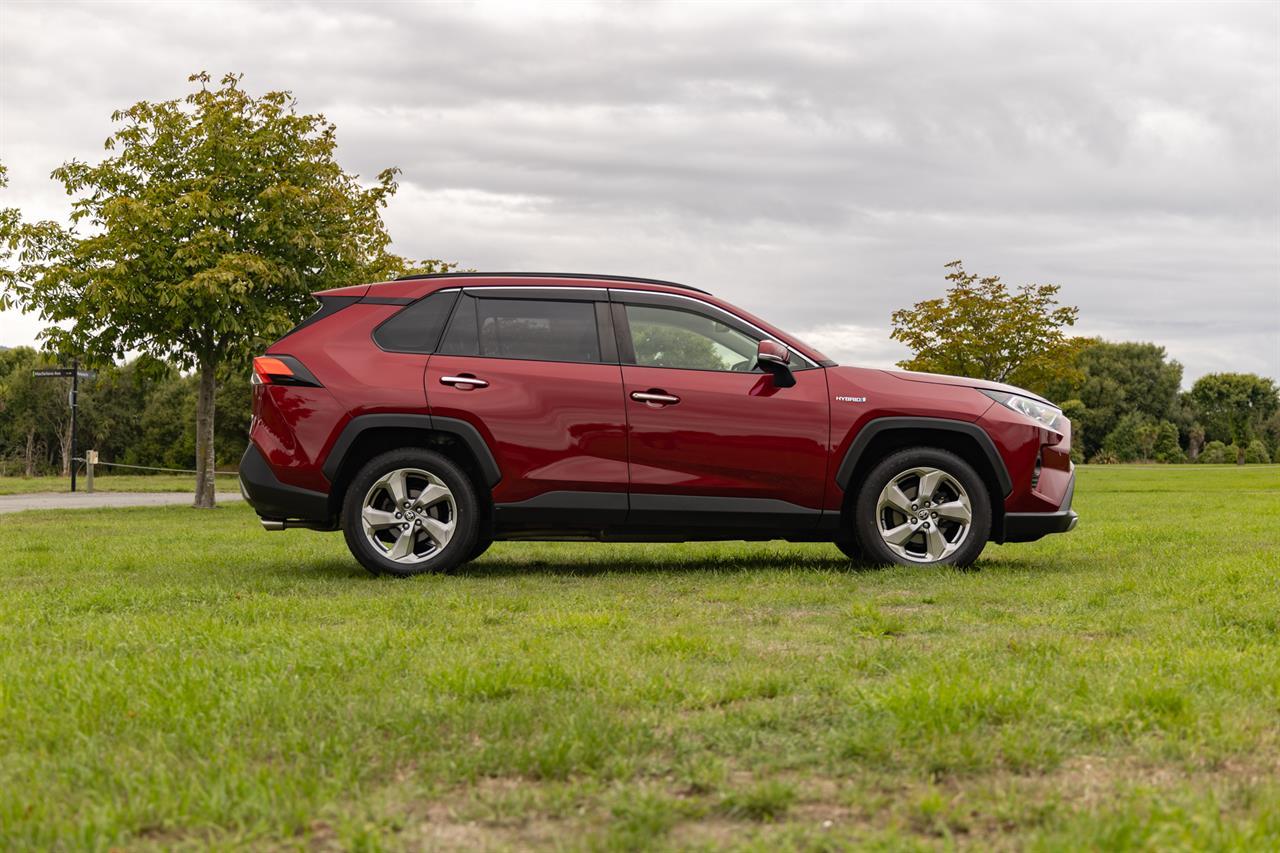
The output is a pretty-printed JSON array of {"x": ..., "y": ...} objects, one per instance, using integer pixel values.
[
  {"x": 66, "y": 372},
  {"x": 75, "y": 374}
]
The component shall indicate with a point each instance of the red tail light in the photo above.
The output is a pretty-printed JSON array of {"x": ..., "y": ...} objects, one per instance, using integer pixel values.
[{"x": 281, "y": 370}]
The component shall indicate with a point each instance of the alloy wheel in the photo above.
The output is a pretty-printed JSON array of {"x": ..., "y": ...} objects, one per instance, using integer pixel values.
[
  {"x": 409, "y": 515},
  {"x": 923, "y": 515}
]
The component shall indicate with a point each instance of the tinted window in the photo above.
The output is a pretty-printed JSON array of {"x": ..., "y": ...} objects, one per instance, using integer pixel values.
[
  {"x": 417, "y": 328},
  {"x": 669, "y": 337},
  {"x": 537, "y": 329},
  {"x": 461, "y": 339}
]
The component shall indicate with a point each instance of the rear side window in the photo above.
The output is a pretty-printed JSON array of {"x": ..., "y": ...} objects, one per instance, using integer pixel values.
[
  {"x": 417, "y": 328},
  {"x": 533, "y": 329}
]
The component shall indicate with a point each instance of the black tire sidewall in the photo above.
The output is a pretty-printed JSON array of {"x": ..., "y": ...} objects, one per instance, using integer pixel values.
[
  {"x": 849, "y": 545},
  {"x": 483, "y": 541},
  {"x": 865, "y": 522},
  {"x": 464, "y": 497}
]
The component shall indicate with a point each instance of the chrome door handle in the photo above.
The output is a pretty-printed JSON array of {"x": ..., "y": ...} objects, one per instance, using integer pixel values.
[
  {"x": 654, "y": 397},
  {"x": 469, "y": 381}
]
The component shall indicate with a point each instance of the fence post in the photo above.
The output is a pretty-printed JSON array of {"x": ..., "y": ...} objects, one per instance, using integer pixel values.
[{"x": 90, "y": 459}]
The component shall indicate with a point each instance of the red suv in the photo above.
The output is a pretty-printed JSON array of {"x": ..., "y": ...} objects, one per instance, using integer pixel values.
[{"x": 428, "y": 416}]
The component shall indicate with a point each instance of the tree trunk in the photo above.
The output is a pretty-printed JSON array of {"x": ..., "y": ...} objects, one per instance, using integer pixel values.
[
  {"x": 204, "y": 437},
  {"x": 64, "y": 448},
  {"x": 31, "y": 453}
]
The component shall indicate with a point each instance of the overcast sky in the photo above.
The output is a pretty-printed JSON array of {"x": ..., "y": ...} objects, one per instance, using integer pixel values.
[{"x": 815, "y": 163}]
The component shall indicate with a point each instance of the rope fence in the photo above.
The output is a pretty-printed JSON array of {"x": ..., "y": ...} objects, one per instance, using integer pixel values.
[{"x": 82, "y": 460}]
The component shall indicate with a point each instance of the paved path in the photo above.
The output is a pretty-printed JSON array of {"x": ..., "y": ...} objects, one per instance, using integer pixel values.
[{"x": 84, "y": 500}]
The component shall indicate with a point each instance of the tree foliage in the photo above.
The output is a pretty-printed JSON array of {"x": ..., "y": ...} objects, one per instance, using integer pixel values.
[
  {"x": 982, "y": 329},
  {"x": 669, "y": 346},
  {"x": 1114, "y": 379},
  {"x": 201, "y": 235},
  {"x": 34, "y": 416},
  {"x": 1133, "y": 439},
  {"x": 10, "y": 229},
  {"x": 1235, "y": 407},
  {"x": 1215, "y": 453},
  {"x": 1256, "y": 453},
  {"x": 1167, "y": 448},
  {"x": 138, "y": 413}
]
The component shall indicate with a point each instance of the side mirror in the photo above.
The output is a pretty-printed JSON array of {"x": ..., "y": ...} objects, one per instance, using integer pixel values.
[
  {"x": 774, "y": 358},
  {"x": 772, "y": 352}
]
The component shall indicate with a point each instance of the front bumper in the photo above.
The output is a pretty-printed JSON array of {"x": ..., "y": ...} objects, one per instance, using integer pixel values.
[
  {"x": 275, "y": 500},
  {"x": 1030, "y": 526}
]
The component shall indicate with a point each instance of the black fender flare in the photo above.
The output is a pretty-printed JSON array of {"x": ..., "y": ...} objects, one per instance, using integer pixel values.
[
  {"x": 873, "y": 428},
  {"x": 460, "y": 429}
]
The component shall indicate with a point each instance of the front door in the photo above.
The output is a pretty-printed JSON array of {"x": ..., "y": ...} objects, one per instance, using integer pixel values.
[
  {"x": 713, "y": 440},
  {"x": 544, "y": 397}
]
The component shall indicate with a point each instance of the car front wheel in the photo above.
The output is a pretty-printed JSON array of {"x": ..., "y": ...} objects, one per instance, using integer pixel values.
[{"x": 923, "y": 506}]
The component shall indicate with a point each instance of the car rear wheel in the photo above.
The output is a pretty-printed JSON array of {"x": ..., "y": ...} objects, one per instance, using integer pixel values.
[
  {"x": 408, "y": 512},
  {"x": 923, "y": 506}
]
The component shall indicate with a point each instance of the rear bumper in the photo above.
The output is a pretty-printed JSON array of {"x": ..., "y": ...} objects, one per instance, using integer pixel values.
[
  {"x": 272, "y": 499},
  {"x": 1030, "y": 526}
]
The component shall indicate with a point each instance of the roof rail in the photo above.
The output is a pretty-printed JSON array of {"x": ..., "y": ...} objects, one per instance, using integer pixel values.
[{"x": 630, "y": 278}]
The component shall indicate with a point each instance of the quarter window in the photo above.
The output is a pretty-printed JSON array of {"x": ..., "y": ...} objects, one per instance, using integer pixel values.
[
  {"x": 669, "y": 337},
  {"x": 418, "y": 327}
]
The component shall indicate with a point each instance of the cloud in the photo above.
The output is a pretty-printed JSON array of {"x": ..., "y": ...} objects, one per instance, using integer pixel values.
[{"x": 817, "y": 163}]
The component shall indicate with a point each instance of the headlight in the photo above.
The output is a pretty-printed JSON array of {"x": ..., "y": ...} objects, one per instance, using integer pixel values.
[{"x": 1042, "y": 413}]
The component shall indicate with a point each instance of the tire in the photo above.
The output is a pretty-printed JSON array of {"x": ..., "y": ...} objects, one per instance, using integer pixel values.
[
  {"x": 388, "y": 537},
  {"x": 484, "y": 538},
  {"x": 947, "y": 525},
  {"x": 847, "y": 542}
]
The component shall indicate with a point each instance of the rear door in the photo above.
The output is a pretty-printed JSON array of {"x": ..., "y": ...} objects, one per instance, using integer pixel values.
[
  {"x": 713, "y": 441},
  {"x": 536, "y": 373}
]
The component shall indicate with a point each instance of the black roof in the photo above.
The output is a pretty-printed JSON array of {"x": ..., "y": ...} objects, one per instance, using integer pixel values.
[{"x": 630, "y": 278}]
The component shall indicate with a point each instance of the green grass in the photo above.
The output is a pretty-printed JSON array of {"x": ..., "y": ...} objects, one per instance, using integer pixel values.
[
  {"x": 113, "y": 483},
  {"x": 171, "y": 677}
]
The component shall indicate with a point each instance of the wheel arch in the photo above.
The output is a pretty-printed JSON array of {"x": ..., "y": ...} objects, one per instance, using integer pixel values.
[
  {"x": 367, "y": 436},
  {"x": 883, "y": 436}
]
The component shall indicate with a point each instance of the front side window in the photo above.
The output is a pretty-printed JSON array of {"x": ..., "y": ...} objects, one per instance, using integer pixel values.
[
  {"x": 534, "y": 329},
  {"x": 670, "y": 337}
]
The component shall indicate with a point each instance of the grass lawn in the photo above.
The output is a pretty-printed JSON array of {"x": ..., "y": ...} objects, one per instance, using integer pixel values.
[
  {"x": 175, "y": 677},
  {"x": 113, "y": 483}
]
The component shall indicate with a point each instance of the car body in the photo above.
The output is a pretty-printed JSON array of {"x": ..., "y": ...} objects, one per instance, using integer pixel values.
[{"x": 615, "y": 408}]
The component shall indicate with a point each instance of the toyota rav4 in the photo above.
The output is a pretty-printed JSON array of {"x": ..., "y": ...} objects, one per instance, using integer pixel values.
[{"x": 428, "y": 416}]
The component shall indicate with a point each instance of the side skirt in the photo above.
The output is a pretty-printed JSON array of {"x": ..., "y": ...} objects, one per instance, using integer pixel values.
[{"x": 618, "y": 517}]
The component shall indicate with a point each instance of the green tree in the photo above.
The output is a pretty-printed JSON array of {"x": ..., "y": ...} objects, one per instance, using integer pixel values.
[
  {"x": 1075, "y": 412},
  {"x": 1215, "y": 453},
  {"x": 204, "y": 232},
  {"x": 1271, "y": 435},
  {"x": 111, "y": 406},
  {"x": 1133, "y": 439},
  {"x": 1116, "y": 379},
  {"x": 1256, "y": 453},
  {"x": 1234, "y": 407},
  {"x": 1167, "y": 448},
  {"x": 10, "y": 230},
  {"x": 37, "y": 419},
  {"x": 983, "y": 330},
  {"x": 669, "y": 346}
]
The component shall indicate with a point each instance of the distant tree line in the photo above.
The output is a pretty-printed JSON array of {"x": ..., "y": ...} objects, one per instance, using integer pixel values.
[
  {"x": 138, "y": 413},
  {"x": 1124, "y": 399},
  {"x": 1125, "y": 404}
]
